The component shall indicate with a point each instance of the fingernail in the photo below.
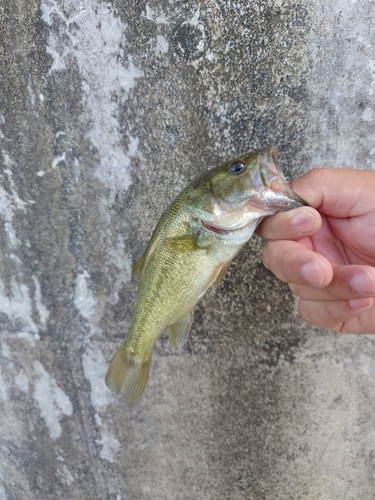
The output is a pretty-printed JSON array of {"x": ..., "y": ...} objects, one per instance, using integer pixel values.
[
  {"x": 360, "y": 303},
  {"x": 363, "y": 283},
  {"x": 312, "y": 273},
  {"x": 304, "y": 223}
]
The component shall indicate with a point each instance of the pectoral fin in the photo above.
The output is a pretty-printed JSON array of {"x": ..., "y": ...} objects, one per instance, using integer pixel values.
[
  {"x": 179, "y": 332},
  {"x": 215, "y": 278},
  {"x": 137, "y": 266},
  {"x": 182, "y": 244}
]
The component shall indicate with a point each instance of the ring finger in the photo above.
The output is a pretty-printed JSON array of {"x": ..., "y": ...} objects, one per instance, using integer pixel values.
[{"x": 330, "y": 313}]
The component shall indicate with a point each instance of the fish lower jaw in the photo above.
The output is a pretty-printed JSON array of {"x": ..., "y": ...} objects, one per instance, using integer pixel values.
[{"x": 240, "y": 235}]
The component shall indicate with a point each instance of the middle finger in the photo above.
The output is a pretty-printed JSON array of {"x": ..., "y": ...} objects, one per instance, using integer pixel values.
[{"x": 348, "y": 282}]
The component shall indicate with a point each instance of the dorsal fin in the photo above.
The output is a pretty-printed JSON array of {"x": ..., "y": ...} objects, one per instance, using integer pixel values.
[{"x": 137, "y": 266}]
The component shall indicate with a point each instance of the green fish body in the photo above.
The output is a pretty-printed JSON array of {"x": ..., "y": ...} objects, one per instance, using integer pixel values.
[{"x": 190, "y": 250}]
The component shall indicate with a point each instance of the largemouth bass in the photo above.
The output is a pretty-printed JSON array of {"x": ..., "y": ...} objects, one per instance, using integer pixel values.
[{"x": 190, "y": 250}]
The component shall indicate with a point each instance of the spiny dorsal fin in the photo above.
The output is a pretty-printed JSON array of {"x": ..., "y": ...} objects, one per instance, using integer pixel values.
[
  {"x": 137, "y": 266},
  {"x": 179, "y": 332}
]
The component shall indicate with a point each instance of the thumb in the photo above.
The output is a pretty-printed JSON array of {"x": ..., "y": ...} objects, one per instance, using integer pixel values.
[{"x": 338, "y": 192}]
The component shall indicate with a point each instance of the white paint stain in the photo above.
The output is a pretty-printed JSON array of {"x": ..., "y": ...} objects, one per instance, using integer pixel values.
[
  {"x": 150, "y": 13},
  {"x": 152, "y": 16},
  {"x": 31, "y": 93},
  {"x": 58, "y": 160},
  {"x": 83, "y": 297},
  {"x": 161, "y": 44},
  {"x": 95, "y": 42},
  {"x": 95, "y": 367},
  {"x": 22, "y": 381},
  {"x": 5, "y": 349},
  {"x": 9, "y": 204},
  {"x": 40, "y": 307},
  {"x": 20, "y": 204},
  {"x": 53, "y": 402},
  {"x": 65, "y": 475},
  {"x": 16, "y": 304},
  {"x": 98, "y": 419},
  {"x": 15, "y": 258},
  {"x": 76, "y": 169},
  {"x": 368, "y": 115},
  {"x": 123, "y": 264},
  {"x": 371, "y": 66},
  {"x": 3, "y": 494},
  {"x": 29, "y": 337},
  {"x": 3, "y": 388},
  {"x": 110, "y": 446},
  {"x": 86, "y": 303}
]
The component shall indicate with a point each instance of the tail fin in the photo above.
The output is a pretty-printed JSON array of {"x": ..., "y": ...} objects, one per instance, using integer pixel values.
[{"x": 128, "y": 374}]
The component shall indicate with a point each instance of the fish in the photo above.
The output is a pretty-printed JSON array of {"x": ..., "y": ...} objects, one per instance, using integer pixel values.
[{"x": 190, "y": 250}]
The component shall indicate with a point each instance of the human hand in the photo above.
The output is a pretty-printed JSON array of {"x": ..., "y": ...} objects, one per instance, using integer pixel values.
[{"x": 327, "y": 253}]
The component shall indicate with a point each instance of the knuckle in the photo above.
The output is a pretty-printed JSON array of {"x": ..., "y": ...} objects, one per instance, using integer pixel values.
[
  {"x": 334, "y": 311},
  {"x": 294, "y": 288},
  {"x": 265, "y": 255},
  {"x": 305, "y": 310},
  {"x": 322, "y": 314}
]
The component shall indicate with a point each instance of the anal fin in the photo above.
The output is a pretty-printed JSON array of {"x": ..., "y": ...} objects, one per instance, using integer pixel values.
[
  {"x": 179, "y": 332},
  {"x": 221, "y": 274}
]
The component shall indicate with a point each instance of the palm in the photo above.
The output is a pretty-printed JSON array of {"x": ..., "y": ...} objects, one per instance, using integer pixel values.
[{"x": 347, "y": 241}]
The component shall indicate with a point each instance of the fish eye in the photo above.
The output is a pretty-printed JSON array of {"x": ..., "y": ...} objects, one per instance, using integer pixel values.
[{"x": 236, "y": 168}]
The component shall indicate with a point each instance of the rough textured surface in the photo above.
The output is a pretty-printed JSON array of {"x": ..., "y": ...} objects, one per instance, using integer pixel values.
[{"x": 106, "y": 111}]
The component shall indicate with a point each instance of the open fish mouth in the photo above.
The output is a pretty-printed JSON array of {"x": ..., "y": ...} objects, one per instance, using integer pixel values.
[{"x": 269, "y": 181}]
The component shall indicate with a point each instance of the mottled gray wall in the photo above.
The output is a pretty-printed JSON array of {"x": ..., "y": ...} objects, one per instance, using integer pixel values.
[{"x": 107, "y": 109}]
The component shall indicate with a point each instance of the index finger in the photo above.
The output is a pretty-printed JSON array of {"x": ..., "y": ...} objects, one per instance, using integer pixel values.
[{"x": 291, "y": 225}]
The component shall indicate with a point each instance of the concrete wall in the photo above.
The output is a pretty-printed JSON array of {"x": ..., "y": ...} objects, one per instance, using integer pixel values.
[{"x": 107, "y": 110}]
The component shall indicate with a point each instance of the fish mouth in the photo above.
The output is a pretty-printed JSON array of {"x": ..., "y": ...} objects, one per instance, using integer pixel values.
[{"x": 270, "y": 182}]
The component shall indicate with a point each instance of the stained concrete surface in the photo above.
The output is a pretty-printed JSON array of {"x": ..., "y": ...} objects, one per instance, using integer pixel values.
[{"x": 107, "y": 111}]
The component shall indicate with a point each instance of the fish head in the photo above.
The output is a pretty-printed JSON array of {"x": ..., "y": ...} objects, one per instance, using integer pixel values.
[{"x": 243, "y": 191}]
